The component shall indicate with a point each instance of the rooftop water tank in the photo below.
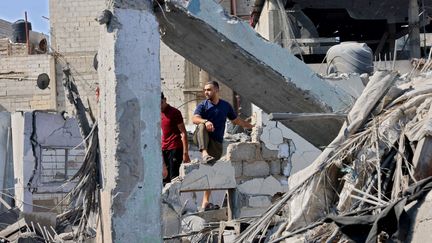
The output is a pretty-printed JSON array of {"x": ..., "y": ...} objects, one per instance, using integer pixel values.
[
  {"x": 19, "y": 31},
  {"x": 350, "y": 57}
]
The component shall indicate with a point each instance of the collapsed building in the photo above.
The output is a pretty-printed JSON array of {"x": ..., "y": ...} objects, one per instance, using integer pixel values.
[{"x": 254, "y": 172}]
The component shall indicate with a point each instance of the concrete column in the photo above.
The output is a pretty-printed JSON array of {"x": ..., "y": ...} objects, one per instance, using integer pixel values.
[
  {"x": 414, "y": 25},
  {"x": 129, "y": 120}
]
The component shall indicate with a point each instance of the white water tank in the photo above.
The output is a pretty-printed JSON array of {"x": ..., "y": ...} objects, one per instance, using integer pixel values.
[{"x": 350, "y": 57}]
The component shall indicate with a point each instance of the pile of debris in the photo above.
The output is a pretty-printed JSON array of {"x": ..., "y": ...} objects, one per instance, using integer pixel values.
[{"x": 357, "y": 189}]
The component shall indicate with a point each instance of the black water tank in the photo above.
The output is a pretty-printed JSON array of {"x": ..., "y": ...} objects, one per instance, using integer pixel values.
[{"x": 19, "y": 31}]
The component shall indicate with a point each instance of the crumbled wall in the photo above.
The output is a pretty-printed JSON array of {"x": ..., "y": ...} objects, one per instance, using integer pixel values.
[
  {"x": 75, "y": 37},
  {"x": 52, "y": 131},
  {"x": 18, "y": 90}
]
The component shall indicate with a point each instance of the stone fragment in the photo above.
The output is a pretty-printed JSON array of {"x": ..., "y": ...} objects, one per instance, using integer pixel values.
[
  {"x": 242, "y": 151},
  {"x": 256, "y": 169},
  {"x": 259, "y": 202},
  {"x": 207, "y": 177},
  {"x": 259, "y": 186}
]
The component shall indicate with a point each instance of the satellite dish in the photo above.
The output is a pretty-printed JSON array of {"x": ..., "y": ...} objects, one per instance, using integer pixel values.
[
  {"x": 43, "y": 81},
  {"x": 95, "y": 62}
]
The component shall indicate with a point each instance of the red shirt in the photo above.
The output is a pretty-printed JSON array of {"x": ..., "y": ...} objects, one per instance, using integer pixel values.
[{"x": 170, "y": 119}]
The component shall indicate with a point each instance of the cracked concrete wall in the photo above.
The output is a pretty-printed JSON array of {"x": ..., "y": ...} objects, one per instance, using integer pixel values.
[
  {"x": 52, "y": 131},
  {"x": 129, "y": 73}
]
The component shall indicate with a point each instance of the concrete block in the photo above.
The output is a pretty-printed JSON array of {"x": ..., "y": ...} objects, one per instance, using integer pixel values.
[
  {"x": 251, "y": 212},
  {"x": 268, "y": 154},
  {"x": 259, "y": 201},
  {"x": 206, "y": 177},
  {"x": 242, "y": 151},
  {"x": 238, "y": 168},
  {"x": 256, "y": 169},
  {"x": 275, "y": 167},
  {"x": 270, "y": 186}
]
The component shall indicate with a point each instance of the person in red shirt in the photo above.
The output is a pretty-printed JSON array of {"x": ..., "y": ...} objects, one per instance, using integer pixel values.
[{"x": 174, "y": 139}]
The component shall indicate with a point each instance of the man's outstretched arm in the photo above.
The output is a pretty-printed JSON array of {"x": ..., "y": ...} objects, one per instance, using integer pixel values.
[{"x": 242, "y": 123}]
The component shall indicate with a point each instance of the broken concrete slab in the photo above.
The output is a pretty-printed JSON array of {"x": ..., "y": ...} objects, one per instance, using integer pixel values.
[
  {"x": 188, "y": 26},
  {"x": 270, "y": 186},
  {"x": 192, "y": 223},
  {"x": 220, "y": 176},
  {"x": 242, "y": 152},
  {"x": 261, "y": 186},
  {"x": 256, "y": 169}
]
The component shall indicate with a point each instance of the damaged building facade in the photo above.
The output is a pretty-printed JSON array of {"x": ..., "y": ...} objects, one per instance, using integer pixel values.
[{"x": 256, "y": 179}]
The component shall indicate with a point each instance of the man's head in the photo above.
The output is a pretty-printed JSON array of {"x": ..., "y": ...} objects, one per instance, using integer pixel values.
[
  {"x": 163, "y": 101},
  {"x": 211, "y": 90}
]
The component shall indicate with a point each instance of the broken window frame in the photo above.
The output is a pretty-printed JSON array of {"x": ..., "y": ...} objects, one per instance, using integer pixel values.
[{"x": 51, "y": 178}]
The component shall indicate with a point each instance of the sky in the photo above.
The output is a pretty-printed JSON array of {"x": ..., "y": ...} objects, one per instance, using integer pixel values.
[{"x": 12, "y": 10}]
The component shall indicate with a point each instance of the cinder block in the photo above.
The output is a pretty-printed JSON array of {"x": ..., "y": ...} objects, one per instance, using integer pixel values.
[
  {"x": 243, "y": 152},
  {"x": 268, "y": 154},
  {"x": 259, "y": 201},
  {"x": 275, "y": 167},
  {"x": 251, "y": 212},
  {"x": 256, "y": 169}
]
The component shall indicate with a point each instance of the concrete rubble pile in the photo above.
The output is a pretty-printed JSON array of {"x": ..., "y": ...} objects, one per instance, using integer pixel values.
[
  {"x": 371, "y": 171},
  {"x": 377, "y": 167},
  {"x": 251, "y": 171}
]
